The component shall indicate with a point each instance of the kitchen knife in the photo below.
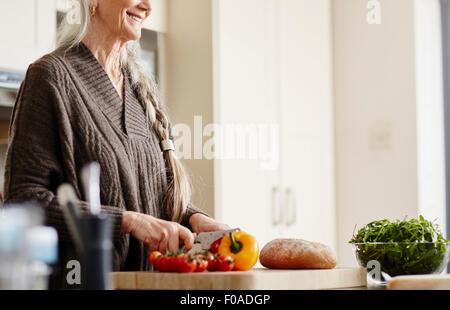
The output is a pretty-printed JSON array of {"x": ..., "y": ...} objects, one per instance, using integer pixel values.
[{"x": 204, "y": 240}]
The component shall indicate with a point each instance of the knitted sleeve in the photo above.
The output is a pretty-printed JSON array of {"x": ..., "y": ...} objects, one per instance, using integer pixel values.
[{"x": 34, "y": 167}]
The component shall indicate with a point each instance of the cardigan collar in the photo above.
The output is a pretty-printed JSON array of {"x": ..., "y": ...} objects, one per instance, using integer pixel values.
[{"x": 126, "y": 116}]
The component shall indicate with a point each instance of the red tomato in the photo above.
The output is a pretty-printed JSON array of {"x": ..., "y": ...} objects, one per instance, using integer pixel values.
[
  {"x": 224, "y": 263},
  {"x": 166, "y": 264},
  {"x": 163, "y": 263},
  {"x": 211, "y": 262},
  {"x": 180, "y": 261},
  {"x": 154, "y": 258},
  {"x": 186, "y": 264},
  {"x": 173, "y": 263},
  {"x": 202, "y": 264},
  {"x": 209, "y": 257}
]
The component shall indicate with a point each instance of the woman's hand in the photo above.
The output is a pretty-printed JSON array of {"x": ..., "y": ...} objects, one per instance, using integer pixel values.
[
  {"x": 202, "y": 223},
  {"x": 160, "y": 235}
]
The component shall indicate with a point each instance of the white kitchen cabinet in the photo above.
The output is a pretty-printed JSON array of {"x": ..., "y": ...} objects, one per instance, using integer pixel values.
[
  {"x": 307, "y": 143},
  {"x": 27, "y": 31},
  {"x": 242, "y": 73},
  {"x": 273, "y": 65}
]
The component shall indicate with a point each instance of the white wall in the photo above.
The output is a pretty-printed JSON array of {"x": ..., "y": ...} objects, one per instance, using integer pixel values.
[
  {"x": 307, "y": 118},
  {"x": 389, "y": 131},
  {"x": 375, "y": 116}
]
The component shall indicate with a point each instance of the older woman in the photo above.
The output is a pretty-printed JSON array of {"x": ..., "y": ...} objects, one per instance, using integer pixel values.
[{"x": 90, "y": 101}]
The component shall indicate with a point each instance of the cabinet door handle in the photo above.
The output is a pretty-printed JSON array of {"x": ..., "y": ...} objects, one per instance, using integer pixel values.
[
  {"x": 277, "y": 216},
  {"x": 291, "y": 207}
]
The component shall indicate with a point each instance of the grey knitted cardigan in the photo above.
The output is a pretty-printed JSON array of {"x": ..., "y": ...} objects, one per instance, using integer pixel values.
[{"x": 67, "y": 114}]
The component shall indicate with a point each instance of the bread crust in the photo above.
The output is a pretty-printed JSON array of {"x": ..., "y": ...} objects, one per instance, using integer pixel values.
[{"x": 297, "y": 254}]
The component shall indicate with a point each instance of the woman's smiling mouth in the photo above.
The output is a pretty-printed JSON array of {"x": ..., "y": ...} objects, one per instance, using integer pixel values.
[{"x": 135, "y": 18}]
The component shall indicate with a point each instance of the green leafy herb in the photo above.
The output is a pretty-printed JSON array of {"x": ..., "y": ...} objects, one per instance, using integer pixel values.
[{"x": 402, "y": 247}]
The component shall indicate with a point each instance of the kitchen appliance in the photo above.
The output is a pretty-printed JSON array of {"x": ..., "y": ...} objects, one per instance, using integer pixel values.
[{"x": 92, "y": 232}]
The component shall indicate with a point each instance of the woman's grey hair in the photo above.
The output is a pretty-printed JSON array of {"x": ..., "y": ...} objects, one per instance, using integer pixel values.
[{"x": 70, "y": 35}]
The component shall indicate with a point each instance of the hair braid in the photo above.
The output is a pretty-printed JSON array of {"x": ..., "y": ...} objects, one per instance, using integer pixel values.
[{"x": 179, "y": 187}]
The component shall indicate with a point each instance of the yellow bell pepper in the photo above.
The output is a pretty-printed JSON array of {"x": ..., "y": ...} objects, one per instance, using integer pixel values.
[{"x": 242, "y": 247}]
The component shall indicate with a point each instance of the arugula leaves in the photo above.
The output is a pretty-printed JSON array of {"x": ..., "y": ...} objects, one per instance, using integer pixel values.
[{"x": 402, "y": 247}]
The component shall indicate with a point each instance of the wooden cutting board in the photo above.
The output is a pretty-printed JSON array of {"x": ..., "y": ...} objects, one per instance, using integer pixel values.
[
  {"x": 255, "y": 279},
  {"x": 420, "y": 282}
]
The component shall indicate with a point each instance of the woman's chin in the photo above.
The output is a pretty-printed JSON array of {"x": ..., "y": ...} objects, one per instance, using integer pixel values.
[{"x": 132, "y": 35}]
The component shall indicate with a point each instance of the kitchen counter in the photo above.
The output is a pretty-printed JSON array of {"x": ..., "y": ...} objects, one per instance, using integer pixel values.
[{"x": 255, "y": 279}]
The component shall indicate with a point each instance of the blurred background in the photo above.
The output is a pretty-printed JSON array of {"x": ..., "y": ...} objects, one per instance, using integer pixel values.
[{"x": 356, "y": 89}]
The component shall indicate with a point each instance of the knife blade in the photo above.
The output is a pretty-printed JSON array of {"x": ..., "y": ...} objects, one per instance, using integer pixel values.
[{"x": 204, "y": 240}]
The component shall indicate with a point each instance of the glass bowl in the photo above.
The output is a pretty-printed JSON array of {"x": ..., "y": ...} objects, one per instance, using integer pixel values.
[{"x": 403, "y": 258}]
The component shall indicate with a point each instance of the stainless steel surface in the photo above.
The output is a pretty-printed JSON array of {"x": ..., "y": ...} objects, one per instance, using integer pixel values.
[{"x": 206, "y": 239}]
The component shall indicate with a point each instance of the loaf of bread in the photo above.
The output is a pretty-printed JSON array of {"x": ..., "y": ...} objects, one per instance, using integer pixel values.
[{"x": 297, "y": 254}]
